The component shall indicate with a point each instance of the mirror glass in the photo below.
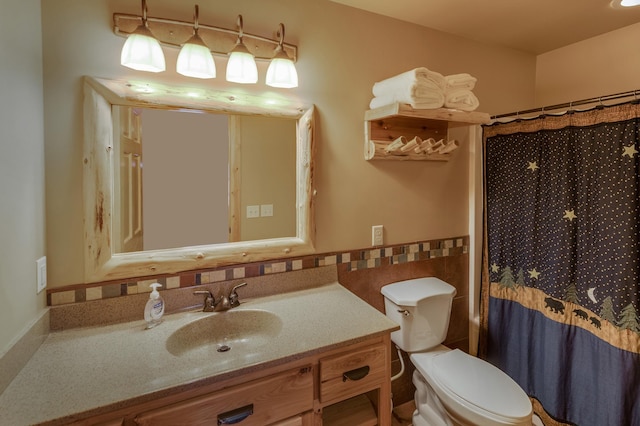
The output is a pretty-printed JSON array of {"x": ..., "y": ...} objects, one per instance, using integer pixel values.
[
  {"x": 172, "y": 180},
  {"x": 177, "y": 178}
]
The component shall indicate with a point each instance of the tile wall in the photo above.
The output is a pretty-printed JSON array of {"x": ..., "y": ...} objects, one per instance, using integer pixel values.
[{"x": 351, "y": 261}]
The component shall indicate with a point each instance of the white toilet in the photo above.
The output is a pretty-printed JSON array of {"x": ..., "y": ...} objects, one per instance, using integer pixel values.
[{"x": 452, "y": 387}]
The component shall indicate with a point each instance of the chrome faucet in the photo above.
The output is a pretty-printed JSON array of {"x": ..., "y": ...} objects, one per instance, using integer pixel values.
[
  {"x": 209, "y": 301},
  {"x": 233, "y": 296},
  {"x": 224, "y": 304}
]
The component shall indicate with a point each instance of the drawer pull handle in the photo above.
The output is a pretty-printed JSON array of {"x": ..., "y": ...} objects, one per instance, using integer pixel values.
[
  {"x": 235, "y": 416},
  {"x": 357, "y": 374}
]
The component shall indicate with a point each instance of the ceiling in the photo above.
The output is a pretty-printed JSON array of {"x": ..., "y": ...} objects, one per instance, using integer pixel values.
[{"x": 534, "y": 26}]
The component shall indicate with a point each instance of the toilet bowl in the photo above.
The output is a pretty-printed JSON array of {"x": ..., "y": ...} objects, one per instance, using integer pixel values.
[
  {"x": 452, "y": 387},
  {"x": 472, "y": 391}
]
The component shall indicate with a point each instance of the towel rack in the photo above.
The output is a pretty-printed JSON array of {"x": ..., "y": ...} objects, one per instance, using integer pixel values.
[{"x": 385, "y": 124}]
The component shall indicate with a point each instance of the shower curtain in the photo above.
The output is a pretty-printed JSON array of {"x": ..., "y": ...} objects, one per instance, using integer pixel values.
[{"x": 561, "y": 264}]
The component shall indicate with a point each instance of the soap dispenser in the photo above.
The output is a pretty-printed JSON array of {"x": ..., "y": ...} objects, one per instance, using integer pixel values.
[{"x": 154, "y": 309}]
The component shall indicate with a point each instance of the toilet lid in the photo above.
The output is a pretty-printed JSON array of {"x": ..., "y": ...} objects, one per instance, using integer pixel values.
[
  {"x": 411, "y": 292},
  {"x": 480, "y": 384}
]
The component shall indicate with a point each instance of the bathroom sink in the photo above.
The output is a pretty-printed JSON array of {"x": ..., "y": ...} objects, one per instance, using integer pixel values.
[{"x": 234, "y": 332}]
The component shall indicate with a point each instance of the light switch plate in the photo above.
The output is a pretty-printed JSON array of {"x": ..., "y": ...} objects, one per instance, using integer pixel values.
[
  {"x": 266, "y": 210},
  {"x": 41, "y": 274},
  {"x": 253, "y": 211}
]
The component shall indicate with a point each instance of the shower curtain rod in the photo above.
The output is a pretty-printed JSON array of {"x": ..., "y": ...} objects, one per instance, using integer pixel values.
[{"x": 570, "y": 105}]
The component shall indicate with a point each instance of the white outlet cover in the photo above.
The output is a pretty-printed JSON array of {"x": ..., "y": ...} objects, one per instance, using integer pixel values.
[
  {"x": 377, "y": 235},
  {"x": 41, "y": 274}
]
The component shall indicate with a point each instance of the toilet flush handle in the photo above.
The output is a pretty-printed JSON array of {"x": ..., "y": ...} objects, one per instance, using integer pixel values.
[{"x": 404, "y": 312}]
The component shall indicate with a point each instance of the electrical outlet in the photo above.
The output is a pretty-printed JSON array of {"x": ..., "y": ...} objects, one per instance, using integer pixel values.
[
  {"x": 253, "y": 211},
  {"x": 41, "y": 274},
  {"x": 266, "y": 210},
  {"x": 377, "y": 238}
]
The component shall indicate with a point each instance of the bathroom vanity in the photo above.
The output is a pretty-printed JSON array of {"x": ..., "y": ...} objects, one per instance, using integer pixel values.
[
  {"x": 318, "y": 356},
  {"x": 316, "y": 391}
]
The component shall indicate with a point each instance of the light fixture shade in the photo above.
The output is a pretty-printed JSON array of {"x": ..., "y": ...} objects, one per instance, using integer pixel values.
[
  {"x": 282, "y": 73},
  {"x": 195, "y": 60},
  {"x": 241, "y": 67},
  {"x": 142, "y": 52}
]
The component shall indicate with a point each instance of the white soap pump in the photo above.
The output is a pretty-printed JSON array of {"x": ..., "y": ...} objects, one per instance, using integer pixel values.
[{"x": 154, "y": 309}]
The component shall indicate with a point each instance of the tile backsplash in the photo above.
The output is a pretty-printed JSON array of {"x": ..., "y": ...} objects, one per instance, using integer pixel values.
[{"x": 355, "y": 260}]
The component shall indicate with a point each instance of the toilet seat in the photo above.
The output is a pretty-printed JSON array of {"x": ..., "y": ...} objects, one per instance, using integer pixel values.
[{"x": 473, "y": 389}]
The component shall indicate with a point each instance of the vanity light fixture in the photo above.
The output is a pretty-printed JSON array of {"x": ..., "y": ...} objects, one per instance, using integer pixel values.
[
  {"x": 195, "y": 58},
  {"x": 200, "y": 43},
  {"x": 624, "y": 4},
  {"x": 241, "y": 67},
  {"x": 142, "y": 50},
  {"x": 281, "y": 72}
]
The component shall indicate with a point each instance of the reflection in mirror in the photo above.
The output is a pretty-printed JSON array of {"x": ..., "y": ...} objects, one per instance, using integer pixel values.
[
  {"x": 173, "y": 186},
  {"x": 261, "y": 167}
]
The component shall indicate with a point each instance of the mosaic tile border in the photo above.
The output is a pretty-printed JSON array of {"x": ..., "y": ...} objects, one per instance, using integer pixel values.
[{"x": 355, "y": 260}]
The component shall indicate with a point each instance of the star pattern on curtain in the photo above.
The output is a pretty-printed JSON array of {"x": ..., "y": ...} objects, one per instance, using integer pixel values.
[
  {"x": 630, "y": 151},
  {"x": 598, "y": 192},
  {"x": 534, "y": 274}
]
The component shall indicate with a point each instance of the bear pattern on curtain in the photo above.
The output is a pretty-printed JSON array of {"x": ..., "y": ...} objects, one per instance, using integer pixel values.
[{"x": 561, "y": 266}]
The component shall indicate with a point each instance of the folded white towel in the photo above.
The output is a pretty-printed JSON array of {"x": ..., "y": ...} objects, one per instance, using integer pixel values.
[
  {"x": 407, "y": 79},
  {"x": 433, "y": 101},
  {"x": 450, "y": 146},
  {"x": 460, "y": 81},
  {"x": 461, "y": 99}
]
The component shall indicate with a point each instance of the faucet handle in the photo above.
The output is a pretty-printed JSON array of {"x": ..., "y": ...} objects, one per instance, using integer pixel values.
[
  {"x": 233, "y": 295},
  {"x": 209, "y": 301}
]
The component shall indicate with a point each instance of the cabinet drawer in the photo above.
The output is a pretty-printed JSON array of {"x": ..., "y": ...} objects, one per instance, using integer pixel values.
[
  {"x": 294, "y": 421},
  {"x": 267, "y": 400},
  {"x": 344, "y": 376}
]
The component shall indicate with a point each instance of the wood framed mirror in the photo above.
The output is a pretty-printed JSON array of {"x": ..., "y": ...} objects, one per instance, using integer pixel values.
[{"x": 103, "y": 258}]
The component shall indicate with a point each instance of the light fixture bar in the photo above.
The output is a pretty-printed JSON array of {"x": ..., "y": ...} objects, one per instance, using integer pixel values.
[{"x": 219, "y": 40}]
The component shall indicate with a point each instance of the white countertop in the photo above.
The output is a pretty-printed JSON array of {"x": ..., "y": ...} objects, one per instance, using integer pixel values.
[{"x": 95, "y": 370}]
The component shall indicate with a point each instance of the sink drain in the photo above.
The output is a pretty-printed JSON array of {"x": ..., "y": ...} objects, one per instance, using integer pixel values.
[{"x": 224, "y": 348}]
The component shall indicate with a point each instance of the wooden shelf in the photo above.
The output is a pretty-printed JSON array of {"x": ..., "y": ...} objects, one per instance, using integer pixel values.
[
  {"x": 385, "y": 124},
  {"x": 356, "y": 411}
]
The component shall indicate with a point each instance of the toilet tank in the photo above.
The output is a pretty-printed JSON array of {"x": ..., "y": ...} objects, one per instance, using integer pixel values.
[{"x": 422, "y": 308}]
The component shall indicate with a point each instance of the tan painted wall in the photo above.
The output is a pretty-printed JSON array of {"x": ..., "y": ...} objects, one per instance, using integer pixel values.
[
  {"x": 22, "y": 185},
  {"x": 267, "y": 176},
  {"x": 599, "y": 66},
  {"x": 342, "y": 52}
]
